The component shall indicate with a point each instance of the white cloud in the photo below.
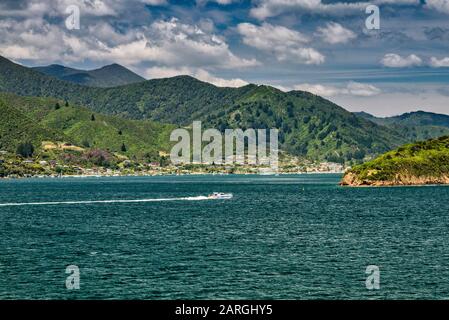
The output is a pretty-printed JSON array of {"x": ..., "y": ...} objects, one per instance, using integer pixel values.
[
  {"x": 286, "y": 44},
  {"x": 55, "y": 8},
  {"x": 393, "y": 60},
  {"x": 166, "y": 42},
  {"x": 301, "y": 55},
  {"x": 438, "y": 63},
  {"x": 266, "y": 36},
  {"x": 201, "y": 74},
  {"x": 155, "y": 2},
  {"x": 335, "y": 33},
  {"x": 173, "y": 42},
  {"x": 96, "y": 8},
  {"x": 31, "y": 9},
  {"x": 352, "y": 89},
  {"x": 222, "y": 2},
  {"x": 271, "y": 8},
  {"x": 17, "y": 52},
  {"x": 438, "y": 5},
  {"x": 36, "y": 39},
  {"x": 361, "y": 89},
  {"x": 318, "y": 89}
]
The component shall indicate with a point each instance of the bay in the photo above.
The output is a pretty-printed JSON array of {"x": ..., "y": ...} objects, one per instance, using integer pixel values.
[{"x": 280, "y": 237}]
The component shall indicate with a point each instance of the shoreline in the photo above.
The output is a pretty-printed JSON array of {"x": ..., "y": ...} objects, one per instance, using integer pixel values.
[
  {"x": 165, "y": 174},
  {"x": 352, "y": 180},
  {"x": 394, "y": 185}
]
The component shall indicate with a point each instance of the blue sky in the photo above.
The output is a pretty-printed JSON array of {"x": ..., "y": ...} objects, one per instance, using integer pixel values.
[{"x": 315, "y": 45}]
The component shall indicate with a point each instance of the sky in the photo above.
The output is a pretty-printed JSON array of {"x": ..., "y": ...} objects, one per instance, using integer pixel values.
[{"x": 325, "y": 47}]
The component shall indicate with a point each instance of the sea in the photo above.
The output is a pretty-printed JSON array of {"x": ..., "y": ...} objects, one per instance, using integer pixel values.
[{"x": 279, "y": 237}]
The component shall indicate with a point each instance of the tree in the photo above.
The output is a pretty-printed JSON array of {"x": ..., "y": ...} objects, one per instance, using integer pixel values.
[
  {"x": 120, "y": 132},
  {"x": 123, "y": 148},
  {"x": 2, "y": 171},
  {"x": 25, "y": 150},
  {"x": 57, "y": 106},
  {"x": 92, "y": 118},
  {"x": 66, "y": 103},
  {"x": 163, "y": 161},
  {"x": 86, "y": 144},
  {"x": 290, "y": 112}
]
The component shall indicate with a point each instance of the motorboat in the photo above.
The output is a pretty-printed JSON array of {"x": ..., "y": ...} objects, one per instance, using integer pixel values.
[{"x": 220, "y": 195}]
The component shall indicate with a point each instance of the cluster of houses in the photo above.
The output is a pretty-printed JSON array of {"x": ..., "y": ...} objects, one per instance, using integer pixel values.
[{"x": 290, "y": 165}]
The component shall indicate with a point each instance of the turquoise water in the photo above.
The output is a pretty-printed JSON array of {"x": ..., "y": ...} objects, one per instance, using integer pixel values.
[{"x": 286, "y": 237}]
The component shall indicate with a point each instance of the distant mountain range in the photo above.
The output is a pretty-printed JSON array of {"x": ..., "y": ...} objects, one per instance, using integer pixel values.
[
  {"x": 309, "y": 125},
  {"x": 419, "y": 125},
  {"x": 108, "y": 76}
]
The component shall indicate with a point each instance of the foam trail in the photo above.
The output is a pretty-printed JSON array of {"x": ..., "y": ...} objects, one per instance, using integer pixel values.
[{"x": 100, "y": 201}]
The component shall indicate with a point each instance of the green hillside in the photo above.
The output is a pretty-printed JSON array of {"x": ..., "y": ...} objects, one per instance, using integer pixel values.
[
  {"x": 309, "y": 125},
  {"x": 54, "y": 121},
  {"x": 17, "y": 127},
  {"x": 424, "y": 162}
]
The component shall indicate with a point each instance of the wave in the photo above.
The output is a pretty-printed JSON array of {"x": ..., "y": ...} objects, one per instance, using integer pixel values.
[{"x": 198, "y": 198}]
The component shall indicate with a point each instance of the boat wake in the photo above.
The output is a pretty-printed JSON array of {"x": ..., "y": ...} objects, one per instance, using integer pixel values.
[{"x": 198, "y": 198}]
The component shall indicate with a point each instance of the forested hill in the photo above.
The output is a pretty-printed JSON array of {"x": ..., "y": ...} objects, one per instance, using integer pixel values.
[
  {"x": 423, "y": 162},
  {"x": 309, "y": 125},
  {"x": 36, "y": 120}
]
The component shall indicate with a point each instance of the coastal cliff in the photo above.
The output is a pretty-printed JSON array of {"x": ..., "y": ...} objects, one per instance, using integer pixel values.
[{"x": 420, "y": 163}]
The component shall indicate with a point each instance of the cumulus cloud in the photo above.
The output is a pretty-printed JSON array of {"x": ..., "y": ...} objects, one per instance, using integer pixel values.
[
  {"x": 361, "y": 89},
  {"x": 169, "y": 42},
  {"x": 96, "y": 8},
  {"x": 267, "y": 35},
  {"x": 91, "y": 7},
  {"x": 352, "y": 89},
  {"x": 222, "y": 2},
  {"x": 438, "y": 5},
  {"x": 201, "y": 74},
  {"x": 286, "y": 44},
  {"x": 335, "y": 33},
  {"x": 393, "y": 60},
  {"x": 174, "y": 42},
  {"x": 271, "y": 8},
  {"x": 438, "y": 63},
  {"x": 155, "y": 2},
  {"x": 34, "y": 39}
]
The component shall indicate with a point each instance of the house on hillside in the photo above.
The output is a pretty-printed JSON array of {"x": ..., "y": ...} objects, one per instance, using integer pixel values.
[{"x": 154, "y": 164}]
